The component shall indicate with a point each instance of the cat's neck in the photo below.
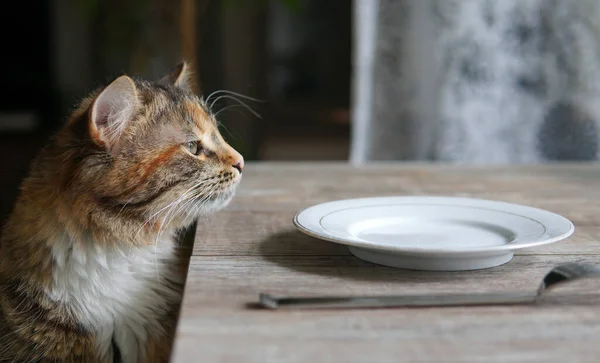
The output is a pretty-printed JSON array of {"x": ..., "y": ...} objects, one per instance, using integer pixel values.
[
  {"x": 117, "y": 291},
  {"x": 114, "y": 290},
  {"x": 53, "y": 237}
]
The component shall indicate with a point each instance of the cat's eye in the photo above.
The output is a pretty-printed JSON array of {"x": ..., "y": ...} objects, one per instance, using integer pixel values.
[{"x": 194, "y": 147}]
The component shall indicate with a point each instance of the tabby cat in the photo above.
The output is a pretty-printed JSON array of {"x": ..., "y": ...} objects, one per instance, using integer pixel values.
[{"x": 90, "y": 270}]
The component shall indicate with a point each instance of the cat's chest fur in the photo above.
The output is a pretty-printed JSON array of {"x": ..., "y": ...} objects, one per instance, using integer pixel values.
[{"x": 119, "y": 293}]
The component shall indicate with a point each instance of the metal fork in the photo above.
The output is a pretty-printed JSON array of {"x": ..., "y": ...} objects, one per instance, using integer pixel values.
[{"x": 557, "y": 276}]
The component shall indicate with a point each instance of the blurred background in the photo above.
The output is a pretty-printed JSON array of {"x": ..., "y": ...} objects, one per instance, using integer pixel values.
[
  {"x": 457, "y": 81},
  {"x": 292, "y": 55}
]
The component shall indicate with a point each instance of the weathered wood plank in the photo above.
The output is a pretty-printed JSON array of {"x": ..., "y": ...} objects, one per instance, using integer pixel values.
[
  {"x": 220, "y": 326},
  {"x": 235, "y": 281},
  {"x": 253, "y": 247},
  {"x": 245, "y": 233}
]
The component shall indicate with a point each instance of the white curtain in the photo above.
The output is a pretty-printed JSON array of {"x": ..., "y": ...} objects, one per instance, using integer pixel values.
[{"x": 476, "y": 81}]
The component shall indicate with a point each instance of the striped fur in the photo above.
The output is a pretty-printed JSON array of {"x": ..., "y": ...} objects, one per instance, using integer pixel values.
[{"x": 90, "y": 270}]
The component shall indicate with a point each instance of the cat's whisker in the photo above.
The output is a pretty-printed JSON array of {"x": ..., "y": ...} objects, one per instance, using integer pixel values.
[
  {"x": 172, "y": 212},
  {"x": 150, "y": 219},
  {"x": 202, "y": 196},
  {"x": 164, "y": 209},
  {"x": 212, "y": 94},
  {"x": 201, "y": 193},
  {"x": 225, "y": 109},
  {"x": 199, "y": 204},
  {"x": 203, "y": 203},
  {"x": 175, "y": 212},
  {"x": 199, "y": 198},
  {"x": 180, "y": 200},
  {"x": 238, "y": 101},
  {"x": 125, "y": 205},
  {"x": 164, "y": 224},
  {"x": 187, "y": 204},
  {"x": 184, "y": 195},
  {"x": 235, "y": 94},
  {"x": 220, "y": 124}
]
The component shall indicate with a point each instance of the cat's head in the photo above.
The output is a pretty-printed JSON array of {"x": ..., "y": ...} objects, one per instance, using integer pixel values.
[{"x": 154, "y": 153}]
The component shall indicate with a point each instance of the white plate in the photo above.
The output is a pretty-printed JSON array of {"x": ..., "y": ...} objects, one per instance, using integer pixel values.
[{"x": 433, "y": 233}]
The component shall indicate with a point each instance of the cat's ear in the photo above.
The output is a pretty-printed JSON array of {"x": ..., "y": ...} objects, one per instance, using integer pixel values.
[
  {"x": 178, "y": 77},
  {"x": 112, "y": 111}
]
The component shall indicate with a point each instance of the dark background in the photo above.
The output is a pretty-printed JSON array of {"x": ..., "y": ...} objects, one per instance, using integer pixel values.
[{"x": 294, "y": 55}]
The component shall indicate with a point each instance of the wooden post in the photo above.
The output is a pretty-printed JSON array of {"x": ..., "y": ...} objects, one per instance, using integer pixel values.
[{"x": 189, "y": 40}]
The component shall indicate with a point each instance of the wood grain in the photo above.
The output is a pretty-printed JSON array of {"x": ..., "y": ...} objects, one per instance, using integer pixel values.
[
  {"x": 272, "y": 233},
  {"x": 252, "y": 247}
]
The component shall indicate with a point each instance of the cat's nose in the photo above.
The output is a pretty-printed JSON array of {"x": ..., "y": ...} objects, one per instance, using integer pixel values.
[
  {"x": 236, "y": 160},
  {"x": 233, "y": 158},
  {"x": 239, "y": 165}
]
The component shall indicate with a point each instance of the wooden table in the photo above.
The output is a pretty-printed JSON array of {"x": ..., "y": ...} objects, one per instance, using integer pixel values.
[{"x": 253, "y": 247}]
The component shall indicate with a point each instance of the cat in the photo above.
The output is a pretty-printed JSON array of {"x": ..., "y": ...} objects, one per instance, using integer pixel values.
[{"x": 90, "y": 269}]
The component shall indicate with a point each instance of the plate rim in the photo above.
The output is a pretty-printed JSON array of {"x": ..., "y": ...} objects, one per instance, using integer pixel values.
[{"x": 477, "y": 250}]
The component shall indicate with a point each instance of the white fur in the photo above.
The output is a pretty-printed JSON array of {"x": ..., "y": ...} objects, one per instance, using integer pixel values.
[{"x": 118, "y": 293}]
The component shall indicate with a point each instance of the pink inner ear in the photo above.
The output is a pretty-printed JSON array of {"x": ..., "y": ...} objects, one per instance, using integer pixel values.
[
  {"x": 101, "y": 112},
  {"x": 114, "y": 108}
]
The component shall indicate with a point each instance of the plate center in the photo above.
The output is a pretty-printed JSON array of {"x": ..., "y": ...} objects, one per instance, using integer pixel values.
[{"x": 436, "y": 234}]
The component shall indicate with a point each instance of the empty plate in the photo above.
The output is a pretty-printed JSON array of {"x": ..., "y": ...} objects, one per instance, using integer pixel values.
[{"x": 433, "y": 233}]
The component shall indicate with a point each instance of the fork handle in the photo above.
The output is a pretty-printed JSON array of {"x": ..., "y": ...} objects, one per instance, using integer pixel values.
[{"x": 273, "y": 302}]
